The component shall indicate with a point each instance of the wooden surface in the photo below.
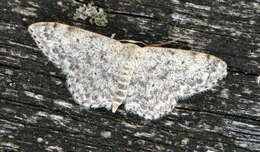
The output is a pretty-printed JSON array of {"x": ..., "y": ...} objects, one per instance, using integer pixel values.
[{"x": 37, "y": 112}]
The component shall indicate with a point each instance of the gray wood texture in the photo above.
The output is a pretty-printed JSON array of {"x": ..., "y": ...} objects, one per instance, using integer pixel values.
[{"x": 37, "y": 112}]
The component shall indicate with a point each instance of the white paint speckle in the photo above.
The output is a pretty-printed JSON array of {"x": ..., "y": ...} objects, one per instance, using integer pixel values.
[
  {"x": 207, "y": 8},
  {"x": 258, "y": 80},
  {"x": 247, "y": 91},
  {"x": 60, "y": 3},
  {"x": 144, "y": 134},
  {"x": 225, "y": 93},
  {"x": 27, "y": 11},
  {"x": 33, "y": 95},
  {"x": 56, "y": 117},
  {"x": 175, "y": 1},
  {"x": 169, "y": 123},
  {"x": 8, "y": 110},
  {"x": 128, "y": 125},
  {"x": 33, "y": 4},
  {"x": 185, "y": 141},
  {"x": 9, "y": 144},
  {"x": 40, "y": 140},
  {"x": 54, "y": 149},
  {"x": 180, "y": 18},
  {"x": 63, "y": 103},
  {"x": 253, "y": 54},
  {"x": 41, "y": 114},
  {"x": 11, "y": 137},
  {"x": 9, "y": 72},
  {"x": 105, "y": 134}
]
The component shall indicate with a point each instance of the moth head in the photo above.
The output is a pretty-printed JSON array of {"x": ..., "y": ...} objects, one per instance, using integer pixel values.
[
  {"x": 131, "y": 50},
  {"x": 130, "y": 46}
]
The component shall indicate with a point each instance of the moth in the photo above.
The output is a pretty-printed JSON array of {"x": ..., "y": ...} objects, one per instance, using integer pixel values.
[{"x": 103, "y": 72}]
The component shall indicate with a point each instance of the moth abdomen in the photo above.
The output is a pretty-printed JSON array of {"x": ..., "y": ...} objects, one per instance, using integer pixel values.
[{"x": 124, "y": 78}]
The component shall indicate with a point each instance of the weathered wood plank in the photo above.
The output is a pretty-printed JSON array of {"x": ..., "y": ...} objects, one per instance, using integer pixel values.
[{"x": 37, "y": 112}]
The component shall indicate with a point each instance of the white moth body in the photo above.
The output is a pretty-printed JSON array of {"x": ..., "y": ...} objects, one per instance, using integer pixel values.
[
  {"x": 131, "y": 59},
  {"x": 102, "y": 72}
]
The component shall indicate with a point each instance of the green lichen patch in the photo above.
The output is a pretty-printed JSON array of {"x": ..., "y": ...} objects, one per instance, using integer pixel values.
[{"x": 94, "y": 14}]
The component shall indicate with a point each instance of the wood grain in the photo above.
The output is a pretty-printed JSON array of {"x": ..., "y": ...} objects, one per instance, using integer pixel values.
[{"x": 37, "y": 112}]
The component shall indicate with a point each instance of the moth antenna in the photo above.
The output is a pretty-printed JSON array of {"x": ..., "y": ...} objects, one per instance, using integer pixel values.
[
  {"x": 133, "y": 42},
  {"x": 172, "y": 41}
]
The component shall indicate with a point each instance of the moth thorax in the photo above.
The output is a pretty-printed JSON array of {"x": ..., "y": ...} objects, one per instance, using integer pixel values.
[{"x": 130, "y": 51}]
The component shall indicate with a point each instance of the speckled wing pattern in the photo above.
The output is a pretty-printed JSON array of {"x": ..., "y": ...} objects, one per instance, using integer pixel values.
[
  {"x": 102, "y": 72},
  {"x": 166, "y": 75}
]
